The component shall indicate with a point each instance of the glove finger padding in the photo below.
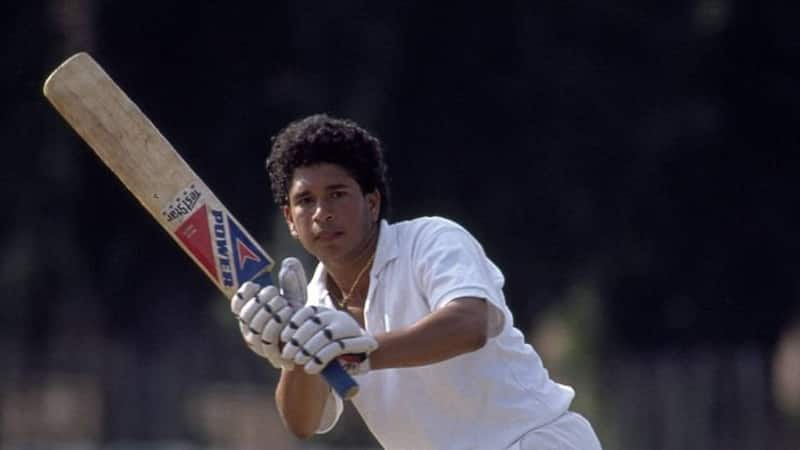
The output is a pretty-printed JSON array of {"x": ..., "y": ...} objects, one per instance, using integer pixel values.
[
  {"x": 246, "y": 335},
  {"x": 273, "y": 354},
  {"x": 308, "y": 325},
  {"x": 250, "y": 308},
  {"x": 315, "y": 336},
  {"x": 262, "y": 316},
  {"x": 277, "y": 310},
  {"x": 334, "y": 332},
  {"x": 264, "y": 313},
  {"x": 266, "y": 350},
  {"x": 245, "y": 292},
  {"x": 363, "y": 344},
  {"x": 298, "y": 319},
  {"x": 272, "y": 331},
  {"x": 293, "y": 282}
]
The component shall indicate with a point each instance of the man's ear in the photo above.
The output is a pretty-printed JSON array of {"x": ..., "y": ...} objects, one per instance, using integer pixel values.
[
  {"x": 287, "y": 215},
  {"x": 374, "y": 204}
]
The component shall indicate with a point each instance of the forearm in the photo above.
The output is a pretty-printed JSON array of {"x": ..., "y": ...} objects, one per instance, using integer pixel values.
[
  {"x": 458, "y": 328},
  {"x": 301, "y": 398}
]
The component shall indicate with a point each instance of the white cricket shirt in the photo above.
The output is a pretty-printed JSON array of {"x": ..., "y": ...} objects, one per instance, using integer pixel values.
[{"x": 485, "y": 399}]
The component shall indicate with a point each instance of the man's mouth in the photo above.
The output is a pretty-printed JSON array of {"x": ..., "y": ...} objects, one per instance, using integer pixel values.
[{"x": 327, "y": 235}]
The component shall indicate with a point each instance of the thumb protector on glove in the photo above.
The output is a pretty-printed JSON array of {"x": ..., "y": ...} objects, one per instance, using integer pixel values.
[{"x": 293, "y": 282}]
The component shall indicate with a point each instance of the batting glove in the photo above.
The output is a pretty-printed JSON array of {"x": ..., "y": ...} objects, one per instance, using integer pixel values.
[
  {"x": 264, "y": 312},
  {"x": 316, "y": 335}
]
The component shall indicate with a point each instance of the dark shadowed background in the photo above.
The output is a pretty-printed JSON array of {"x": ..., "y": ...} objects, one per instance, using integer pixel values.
[{"x": 631, "y": 168}]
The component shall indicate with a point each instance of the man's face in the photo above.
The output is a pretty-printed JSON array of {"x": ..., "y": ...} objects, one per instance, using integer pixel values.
[{"x": 329, "y": 213}]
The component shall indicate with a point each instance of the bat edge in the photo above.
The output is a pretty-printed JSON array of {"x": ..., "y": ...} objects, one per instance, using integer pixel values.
[{"x": 48, "y": 82}]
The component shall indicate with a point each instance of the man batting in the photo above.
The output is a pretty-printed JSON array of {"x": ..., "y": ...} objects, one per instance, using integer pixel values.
[{"x": 414, "y": 310}]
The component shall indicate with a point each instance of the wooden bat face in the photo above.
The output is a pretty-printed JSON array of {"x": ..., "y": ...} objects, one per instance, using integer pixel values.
[{"x": 133, "y": 148}]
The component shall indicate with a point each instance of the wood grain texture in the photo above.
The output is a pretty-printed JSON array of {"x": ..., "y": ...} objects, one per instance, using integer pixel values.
[{"x": 127, "y": 142}]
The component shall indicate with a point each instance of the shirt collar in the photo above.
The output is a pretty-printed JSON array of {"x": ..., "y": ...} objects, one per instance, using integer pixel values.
[{"x": 386, "y": 250}]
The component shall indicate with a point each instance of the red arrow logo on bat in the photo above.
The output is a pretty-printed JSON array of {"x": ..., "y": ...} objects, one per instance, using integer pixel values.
[{"x": 245, "y": 253}]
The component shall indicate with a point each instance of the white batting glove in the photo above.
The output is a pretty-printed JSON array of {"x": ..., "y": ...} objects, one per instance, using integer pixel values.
[
  {"x": 264, "y": 313},
  {"x": 316, "y": 335}
]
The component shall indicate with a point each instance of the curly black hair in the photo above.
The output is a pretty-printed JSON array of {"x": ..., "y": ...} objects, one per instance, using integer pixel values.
[{"x": 324, "y": 139}]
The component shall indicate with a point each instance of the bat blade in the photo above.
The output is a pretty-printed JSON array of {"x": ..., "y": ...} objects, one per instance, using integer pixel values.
[
  {"x": 155, "y": 173},
  {"x": 147, "y": 164}
]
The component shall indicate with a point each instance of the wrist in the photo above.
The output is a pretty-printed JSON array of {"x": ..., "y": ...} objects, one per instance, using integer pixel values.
[{"x": 355, "y": 364}]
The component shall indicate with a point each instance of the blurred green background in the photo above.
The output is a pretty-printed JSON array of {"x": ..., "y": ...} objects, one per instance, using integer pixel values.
[{"x": 631, "y": 167}]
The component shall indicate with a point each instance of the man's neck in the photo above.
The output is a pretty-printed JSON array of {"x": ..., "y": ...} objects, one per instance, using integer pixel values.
[{"x": 344, "y": 275}]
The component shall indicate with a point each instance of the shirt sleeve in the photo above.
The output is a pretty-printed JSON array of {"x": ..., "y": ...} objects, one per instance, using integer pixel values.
[
  {"x": 331, "y": 413},
  {"x": 451, "y": 264}
]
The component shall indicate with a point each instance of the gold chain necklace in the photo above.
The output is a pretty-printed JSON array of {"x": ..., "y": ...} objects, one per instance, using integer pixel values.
[{"x": 346, "y": 298}]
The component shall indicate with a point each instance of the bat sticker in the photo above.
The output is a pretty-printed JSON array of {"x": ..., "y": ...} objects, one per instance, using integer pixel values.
[{"x": 214, "y": 238}]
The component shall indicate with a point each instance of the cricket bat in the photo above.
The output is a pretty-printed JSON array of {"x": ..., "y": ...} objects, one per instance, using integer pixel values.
[{"x": 139, "y": 155}]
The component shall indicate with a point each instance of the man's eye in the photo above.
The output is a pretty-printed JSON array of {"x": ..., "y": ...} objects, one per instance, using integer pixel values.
[
  {"x": 304, "y": 201},
  {"x": 337, "y": 194}
]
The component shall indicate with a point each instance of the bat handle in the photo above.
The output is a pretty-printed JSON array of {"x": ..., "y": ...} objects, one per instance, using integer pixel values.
[
  {"x": 334, "y": 374},
  {"x": 340, "y": 380}
]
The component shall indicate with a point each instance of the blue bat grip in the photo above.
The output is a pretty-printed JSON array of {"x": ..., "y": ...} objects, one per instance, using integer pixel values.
[
  {"x": 340, "y": 380},
  {"x": 334, "y": 374}
]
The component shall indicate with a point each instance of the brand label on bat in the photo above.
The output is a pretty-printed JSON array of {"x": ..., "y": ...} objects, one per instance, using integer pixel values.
[
  {"x": 215, "y": 239},
  {"x": 182, "y": 205}
]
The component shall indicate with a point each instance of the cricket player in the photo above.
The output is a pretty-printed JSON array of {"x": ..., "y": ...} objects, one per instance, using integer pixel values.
[{"x": 414, "y": 310}]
